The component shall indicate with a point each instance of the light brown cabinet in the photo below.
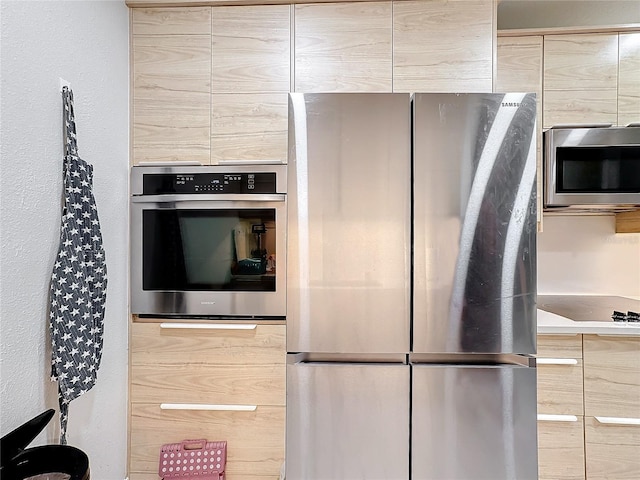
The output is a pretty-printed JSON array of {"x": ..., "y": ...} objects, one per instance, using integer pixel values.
[
  {"x": 604, "y": 443},
  {"x": 250, "y": 80},
  {"x": 443, "y": 46},
  {"x": 629, "y": 78},
  {"x": 580, "y": 79},
  {"x": 561, "y": 454},
  {"x": 216, "y": 381},
  {"x": 343, "y": 47},
  {"x": 171, "y": 80}
]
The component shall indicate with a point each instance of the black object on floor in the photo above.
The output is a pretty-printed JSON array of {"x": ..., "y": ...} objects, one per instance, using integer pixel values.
[{"x": 17, "y": 462}]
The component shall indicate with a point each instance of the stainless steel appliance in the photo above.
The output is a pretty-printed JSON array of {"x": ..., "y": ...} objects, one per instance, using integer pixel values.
[
  {"x": 208, "y": 240},
  {"x": 404, "y": 366},
  {"x": 592, "y": 168}
]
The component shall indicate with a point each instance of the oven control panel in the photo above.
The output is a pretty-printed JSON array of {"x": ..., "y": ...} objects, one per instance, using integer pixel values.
[{"x": 208, "y": 183}]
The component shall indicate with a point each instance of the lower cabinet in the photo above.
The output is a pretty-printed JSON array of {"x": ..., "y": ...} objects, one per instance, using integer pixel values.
[
  {"x": 208, "y": 380},
  {"x": 588, "y": 407},
  {"x": 561, "y": 453},
  {"x": 561, "y": 448},
  {"x": 612, "y": 448}
]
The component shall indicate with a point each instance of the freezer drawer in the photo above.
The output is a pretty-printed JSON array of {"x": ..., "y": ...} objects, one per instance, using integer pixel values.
[
  {"x": 474, "y": 422},
  {"x": 347, "y": 421},
  {"x": 474, "y": 223},
  {"x": 349, "y": 223}
]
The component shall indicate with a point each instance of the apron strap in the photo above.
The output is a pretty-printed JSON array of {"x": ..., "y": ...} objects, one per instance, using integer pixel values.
[{"x": 69, "y": 124}]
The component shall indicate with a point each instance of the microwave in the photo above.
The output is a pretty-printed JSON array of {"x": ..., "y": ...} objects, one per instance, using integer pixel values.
[
  {"x": 208, "y": 241},
  {"x": 592, "y": 168}
]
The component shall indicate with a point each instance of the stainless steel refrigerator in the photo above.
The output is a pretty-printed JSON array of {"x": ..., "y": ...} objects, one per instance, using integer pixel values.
[{"x": 411, "y": 287}]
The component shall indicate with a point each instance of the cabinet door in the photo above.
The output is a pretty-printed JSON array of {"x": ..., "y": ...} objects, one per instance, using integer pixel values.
[
  {"x": 560, "y": 375},
  {"x": 171, "y": 79},
  {"x": 519, "y": 69},
  {"x": 561, "y": 448},
  {"x": 629, "y": 79},
  {"x": 250, "y": 80},
  {"x": 612, "y": 376},
  {"x": 612, "y": 447},
  {"x": 343, "y": 47},
  {"x": 443, "y": 46},
  {"x": 580, "y": 79},
  {"x": 255, "y": 438}
]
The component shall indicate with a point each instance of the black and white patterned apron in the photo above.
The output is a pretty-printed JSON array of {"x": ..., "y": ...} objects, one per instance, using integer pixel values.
[{"x": 79, "y": 280}]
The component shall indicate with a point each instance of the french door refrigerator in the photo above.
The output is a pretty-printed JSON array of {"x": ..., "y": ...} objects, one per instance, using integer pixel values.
[{"x": 411, "y": 287}]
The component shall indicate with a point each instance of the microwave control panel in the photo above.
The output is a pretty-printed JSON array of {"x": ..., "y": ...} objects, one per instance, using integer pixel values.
[{"x": 208, "y": 183}]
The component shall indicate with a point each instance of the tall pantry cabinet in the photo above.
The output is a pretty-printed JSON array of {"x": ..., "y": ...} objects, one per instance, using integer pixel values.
[{"x": 209, "y": 84}]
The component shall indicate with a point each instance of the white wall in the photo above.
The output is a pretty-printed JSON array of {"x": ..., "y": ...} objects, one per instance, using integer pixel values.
[
  {"x": 566, "y": 13},
  {"x": 584, "y": 255},
  {"x": 86, "y": 43}
]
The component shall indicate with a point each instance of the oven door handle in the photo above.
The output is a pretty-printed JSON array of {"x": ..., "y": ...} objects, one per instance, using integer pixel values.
[{"x": 267, "y": 197}]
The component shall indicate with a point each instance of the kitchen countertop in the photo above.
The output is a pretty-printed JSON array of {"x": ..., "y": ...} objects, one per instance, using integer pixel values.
[{"x": 552, "y": 324}]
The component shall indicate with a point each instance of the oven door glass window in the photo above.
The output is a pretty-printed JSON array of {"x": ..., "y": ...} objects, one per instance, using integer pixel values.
[{"x": 213, "y": 250}]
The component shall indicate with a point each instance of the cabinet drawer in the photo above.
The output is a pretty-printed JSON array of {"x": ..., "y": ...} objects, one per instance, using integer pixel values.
[
  {"x": 561, "y": 449},
  {"x": 560, "y": 387},
  {"x": 226, "y": 384},
  {"x": 255, "y": 439},
  {"x": 152, "y": 344},
  {"x": 612, "y": 450},
  {"x": 612, "y": 376},
  {"x": 559, "y": 346},
  {"x": 560, "y": 374}
]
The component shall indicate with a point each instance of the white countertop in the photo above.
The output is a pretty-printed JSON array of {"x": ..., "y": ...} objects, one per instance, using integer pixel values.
[{"x": 552, "y": 324}]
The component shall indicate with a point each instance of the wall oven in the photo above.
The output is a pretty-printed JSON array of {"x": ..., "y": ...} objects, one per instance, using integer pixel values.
[
  {"x": 208, "y": 241},
  {"x": 592, "y": 168}
]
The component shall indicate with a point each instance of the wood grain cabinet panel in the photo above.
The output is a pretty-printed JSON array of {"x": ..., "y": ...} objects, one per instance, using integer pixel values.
[
  {"x": 580, "y": 78},
  {"x": 249, "y": 127},
  {"x": 227, "y": 385},
  {"x": 171, "y": 21},
  {"x": 343, "y": 47},
  {"x": 629, "y": 79},
  {"x": 205, "y": 374},
  {"x": 443, "y": 46},
  {"x": 559, "y": 366},
  {"x": 561, "y": 450},
  {"x": 171, "y": 83},
  {"x": 613, "y": 451},
  {"x": 612, "y": 376},
  {"x": 255, "y": 439},
  {"x": 251, "y": 49},
  {"x": 150, "y": 344},
  {"x": 559, "y": 346}
]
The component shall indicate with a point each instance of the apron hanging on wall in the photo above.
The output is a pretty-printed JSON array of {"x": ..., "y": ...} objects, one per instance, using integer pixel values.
[{"x": 78, "y": 281}]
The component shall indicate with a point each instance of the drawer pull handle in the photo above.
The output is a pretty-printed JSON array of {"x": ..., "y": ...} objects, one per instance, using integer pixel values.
[
  {"x": 211, "y": 326},
  {"x": 557, "y": 418},
  {"x": 207, "y": 406},
  {"x": 556, "y": 361},
  {"x": 618, "y": 421}
]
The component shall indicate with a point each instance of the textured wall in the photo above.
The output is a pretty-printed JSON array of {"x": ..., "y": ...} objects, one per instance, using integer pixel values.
[
  {"x": 86, "y": 43},
  {"x": 584, "y": 255}
]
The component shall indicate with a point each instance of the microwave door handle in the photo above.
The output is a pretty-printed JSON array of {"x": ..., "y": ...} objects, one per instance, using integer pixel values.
[{"x": 267, "y": 197}]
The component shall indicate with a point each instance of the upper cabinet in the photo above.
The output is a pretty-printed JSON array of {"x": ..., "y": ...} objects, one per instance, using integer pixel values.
[
  {"x": 171, "y": 84},
  {"x": 629, "y": 78},
  {"x": 210, "y": 84},
  {"x": 343, "y": 47},
  {"x": 250, "y": 81},
  {"x": 580, "y": 79},
  {"x": 443, "y": 46}
]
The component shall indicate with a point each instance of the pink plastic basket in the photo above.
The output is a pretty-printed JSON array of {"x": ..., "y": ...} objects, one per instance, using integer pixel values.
[{"x": 193, "y": 459}]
